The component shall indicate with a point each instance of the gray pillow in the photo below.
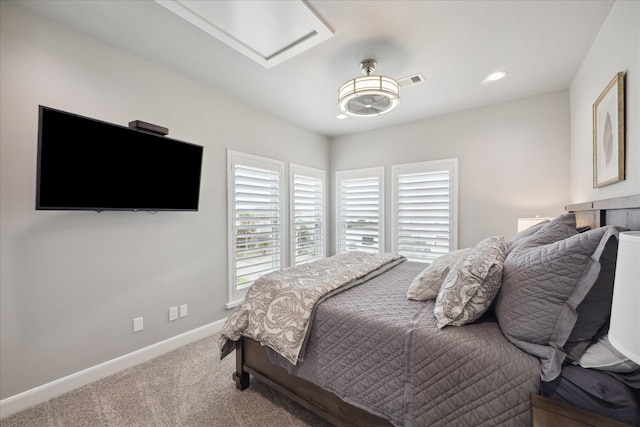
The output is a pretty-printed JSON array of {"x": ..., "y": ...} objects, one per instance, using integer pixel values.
[
  {"x": 527, "y": 232},
  {"x": 604, "y": 356},
  {"x": 427, "y": 284},
  {"x": 472, "y": 284},
  {"x": 543, "y": 283},
  {"x": 595, "y": 309},
  {"x": 558, "y": 228}
]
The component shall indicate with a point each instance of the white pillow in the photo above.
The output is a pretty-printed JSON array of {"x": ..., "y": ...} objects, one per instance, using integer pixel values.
[{"x": 427, "y": 284}]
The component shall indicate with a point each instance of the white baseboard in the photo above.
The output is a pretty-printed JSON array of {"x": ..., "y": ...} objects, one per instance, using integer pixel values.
[{"x": 55, "y": 388}]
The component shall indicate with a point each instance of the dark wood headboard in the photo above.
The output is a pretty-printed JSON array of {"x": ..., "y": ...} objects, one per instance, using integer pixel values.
[{"x": 621, "y": 211}]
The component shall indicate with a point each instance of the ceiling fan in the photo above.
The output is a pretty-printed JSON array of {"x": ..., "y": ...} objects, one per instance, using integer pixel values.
[{"x": 372, "y": 95}]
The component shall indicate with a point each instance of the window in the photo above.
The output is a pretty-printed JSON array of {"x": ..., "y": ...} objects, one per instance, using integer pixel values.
[
  {"x": 360, "y": 210},
  {"x": 425, "y": 199},
  {"x": 255, "y": 216},
  {"x": 307, "y": 214}
]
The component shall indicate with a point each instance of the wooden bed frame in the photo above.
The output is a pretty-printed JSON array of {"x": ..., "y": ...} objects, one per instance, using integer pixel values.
[{"x": 252, "y": 359}]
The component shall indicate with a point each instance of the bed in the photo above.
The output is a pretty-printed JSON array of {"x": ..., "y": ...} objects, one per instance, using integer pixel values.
[{"x": 371, "y": 356}]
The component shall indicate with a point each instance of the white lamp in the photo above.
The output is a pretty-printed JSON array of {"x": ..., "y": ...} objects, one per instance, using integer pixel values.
[
  {"x": 624, "y": 330},
  {"x": 524, "y": 223}
]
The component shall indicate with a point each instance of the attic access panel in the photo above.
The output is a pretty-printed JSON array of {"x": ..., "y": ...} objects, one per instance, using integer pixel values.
[{"x": 268, "y": 32}]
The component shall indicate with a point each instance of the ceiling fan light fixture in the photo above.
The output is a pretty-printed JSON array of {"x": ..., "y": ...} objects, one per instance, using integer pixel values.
[{"x": 368, "y": 96}]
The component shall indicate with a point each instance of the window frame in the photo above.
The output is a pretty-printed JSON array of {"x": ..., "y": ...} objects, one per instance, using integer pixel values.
[
  {"x": 312, "y": 173},
  {"x": 450, "y": 165},
  {"x": 355, "y": 174},
  {"x": 235, "y": 295}
]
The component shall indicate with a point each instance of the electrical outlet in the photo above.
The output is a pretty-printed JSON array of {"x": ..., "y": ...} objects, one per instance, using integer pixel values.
[
  {"x": 138, "y": 324},
  {"x": 184, "y": 311},
  {"x": 173, "y": 313}
]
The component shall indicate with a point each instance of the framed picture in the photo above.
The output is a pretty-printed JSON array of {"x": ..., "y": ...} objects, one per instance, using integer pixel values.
[{"x": 608, "y": 134}]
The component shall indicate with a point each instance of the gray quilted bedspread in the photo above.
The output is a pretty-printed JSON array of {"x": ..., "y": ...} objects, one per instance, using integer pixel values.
[{"x": 379, "y": 351}]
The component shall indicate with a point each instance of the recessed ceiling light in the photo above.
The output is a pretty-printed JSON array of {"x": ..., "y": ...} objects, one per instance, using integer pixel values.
[
  {"x": 341, "y": 116},
  {"x": 498, "y": 75}
]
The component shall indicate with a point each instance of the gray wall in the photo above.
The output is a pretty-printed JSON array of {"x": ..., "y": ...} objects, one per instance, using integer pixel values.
[
  {"x": 617, "y": 48},
  {"x": 71, "y": 282},
  {"x": 513, "y": 160}
]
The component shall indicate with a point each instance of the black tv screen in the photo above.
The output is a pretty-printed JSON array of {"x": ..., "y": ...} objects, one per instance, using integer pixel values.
[{"x": 87, "y": 164}]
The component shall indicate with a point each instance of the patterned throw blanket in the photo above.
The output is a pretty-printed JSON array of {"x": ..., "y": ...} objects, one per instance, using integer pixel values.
[{"x": 279, "y": 306}]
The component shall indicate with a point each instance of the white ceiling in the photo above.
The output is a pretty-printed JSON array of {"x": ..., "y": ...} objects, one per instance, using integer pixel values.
[{"x": 454, "y": 44}]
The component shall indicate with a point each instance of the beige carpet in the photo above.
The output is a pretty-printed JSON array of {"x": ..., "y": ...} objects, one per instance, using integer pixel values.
[{"x": 189, "y": 386}]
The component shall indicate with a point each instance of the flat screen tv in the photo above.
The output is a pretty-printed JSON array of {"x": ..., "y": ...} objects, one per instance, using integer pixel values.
[{"x": 88, "y": 164}]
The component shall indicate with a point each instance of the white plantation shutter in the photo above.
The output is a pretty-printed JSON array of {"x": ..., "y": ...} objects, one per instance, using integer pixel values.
[
  {"x": 307, "y": 214},
  {"x": 255, "y": 203},
  {"x": 360, "y": 210},
  {"x": 424, "y": 202}
]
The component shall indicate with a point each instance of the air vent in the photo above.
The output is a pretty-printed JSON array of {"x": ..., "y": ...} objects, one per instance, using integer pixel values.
[{"x": 416, "y": 79}]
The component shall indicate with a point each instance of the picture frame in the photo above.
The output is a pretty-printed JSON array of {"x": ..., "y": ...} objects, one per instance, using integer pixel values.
[{"x": 608, "y": 134}]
